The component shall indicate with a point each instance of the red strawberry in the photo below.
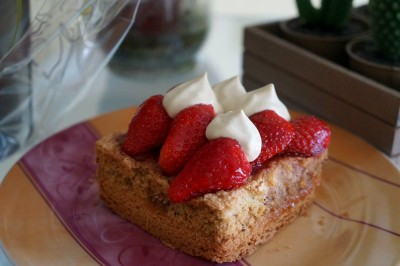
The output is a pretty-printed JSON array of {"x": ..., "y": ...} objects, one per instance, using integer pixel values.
[
  {"x": 275, "y": 131},
  {"x": 218, "y": 165},
  {"x": 148, "y": 128},
  {"x": 186, "y": 135},
  {"x": 311, "y": 137}
]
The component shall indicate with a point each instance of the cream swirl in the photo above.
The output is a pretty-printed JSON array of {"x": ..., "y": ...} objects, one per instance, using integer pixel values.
[
  {"x": 196, "y": 91},
  {"x": 236, "y": 125},
  {"x": 264, "y": 98},
  {"x": 229, "y": 93}
]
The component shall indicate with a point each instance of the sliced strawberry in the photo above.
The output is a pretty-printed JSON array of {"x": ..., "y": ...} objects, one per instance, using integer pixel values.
[
  {"x": 186, "y": 135},
  {"x": 275, "y": 132},
  {"x": 148, "y": 128},
  {"x": 311, "y": 137},
  {"x": 220, "y": 164}
]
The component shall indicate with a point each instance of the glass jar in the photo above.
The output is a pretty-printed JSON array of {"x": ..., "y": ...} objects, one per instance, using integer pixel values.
[{"x": 166, "y": 35}]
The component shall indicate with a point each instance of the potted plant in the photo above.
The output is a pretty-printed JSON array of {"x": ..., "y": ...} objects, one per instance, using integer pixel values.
[
  {"x": 325, "y": 30},
  {"x": 378, "y": 56}
]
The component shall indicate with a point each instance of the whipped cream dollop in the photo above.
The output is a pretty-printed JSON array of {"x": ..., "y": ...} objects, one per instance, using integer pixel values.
[
  {"x": 236, "y": 125},
  {"x": 229, "y": 93},
  {"x": 264, "y": 98},
  {"x": 233, "y": 106},
  {"x": 196, "y": 91}
]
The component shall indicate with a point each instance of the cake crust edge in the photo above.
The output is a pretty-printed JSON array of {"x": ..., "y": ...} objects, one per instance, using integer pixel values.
[{"x": 223, "y": 226}]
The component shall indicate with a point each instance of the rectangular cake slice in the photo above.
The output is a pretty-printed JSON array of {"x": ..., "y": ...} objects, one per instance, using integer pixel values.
[{"x": 222, "y": 226}]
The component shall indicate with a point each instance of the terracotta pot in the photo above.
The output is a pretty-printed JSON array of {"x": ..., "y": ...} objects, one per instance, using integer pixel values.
[
  {"x": 365, "y": 59},
  {"x": 330, "y": 45}
]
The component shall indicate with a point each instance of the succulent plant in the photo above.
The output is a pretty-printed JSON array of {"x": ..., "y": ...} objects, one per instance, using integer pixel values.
[
  {"x": 385, "y": 26},
  {"x": 332, "y": 14}
]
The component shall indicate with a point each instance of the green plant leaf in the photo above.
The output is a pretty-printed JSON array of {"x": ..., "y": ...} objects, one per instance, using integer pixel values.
[
  {"x": 307, "y": 11},
  {"x": 336, "y": 13}
]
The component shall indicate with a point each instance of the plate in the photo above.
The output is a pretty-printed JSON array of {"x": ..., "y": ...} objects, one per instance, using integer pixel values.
[{"x": 51, "y": 213}]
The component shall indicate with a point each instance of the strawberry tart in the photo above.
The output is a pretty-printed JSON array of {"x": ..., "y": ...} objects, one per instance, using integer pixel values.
[{"x": 213, "y": 171}]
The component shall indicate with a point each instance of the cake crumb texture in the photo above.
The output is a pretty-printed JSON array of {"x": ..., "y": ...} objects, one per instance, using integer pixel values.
[{"x": 223, "y": 226}]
